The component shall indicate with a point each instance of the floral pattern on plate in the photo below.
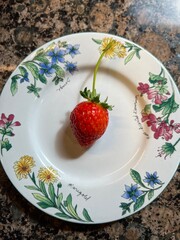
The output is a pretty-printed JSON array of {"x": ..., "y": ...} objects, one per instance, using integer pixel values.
[
  {"x": 157, "y": 114},
  {"x": 126, "y": 51},
  {"x": 136, "y": 193},
  {"x": 46, "y": 191},
  {"x": 6, "y": 129},
  {"x": 51, "y": 62}
]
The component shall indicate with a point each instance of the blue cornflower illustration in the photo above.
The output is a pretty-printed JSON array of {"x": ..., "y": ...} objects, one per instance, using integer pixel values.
[
  {"x": 72, "y": 50},
  {"x": 70, "y": 67},
  {"x": 132, "y": 192},
  {"x": 24, "y": 78},
  {"x": 152, "y": 179},
  {"x": 46, "y": 69},
  {"x": 57, "y": 55}
]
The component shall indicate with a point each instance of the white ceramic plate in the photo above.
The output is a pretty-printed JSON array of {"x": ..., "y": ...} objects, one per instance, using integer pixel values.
[{"x": 123, "y": 171}]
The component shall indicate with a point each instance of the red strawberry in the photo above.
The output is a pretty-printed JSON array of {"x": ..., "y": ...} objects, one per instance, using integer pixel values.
[{"x": 88, "y": 121}]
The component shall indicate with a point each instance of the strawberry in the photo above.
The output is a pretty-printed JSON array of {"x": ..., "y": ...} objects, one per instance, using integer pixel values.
[{"x": 89, "y": 119}]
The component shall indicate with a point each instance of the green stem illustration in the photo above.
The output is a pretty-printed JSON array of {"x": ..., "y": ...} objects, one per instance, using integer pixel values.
[
  {"x": 2, "y": 139},
  {"x": 176, "y": 142},
  {"x": 170, "y": 108}
]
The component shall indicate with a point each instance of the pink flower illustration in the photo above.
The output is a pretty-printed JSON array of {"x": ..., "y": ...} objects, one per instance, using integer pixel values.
[
  {"x": 155, "y": 96},
  {"x": 156, "y": 113},
  {"x": 176, "y": 127},
  {"x": 164, "y": 130},
  {"x": 160, "y": 127},
  {"x": 6, "y": 129},
  {"x": 8, "y": 121},
  {"x": 143, "y": 88},
  {"x": 151, "y": 120}
]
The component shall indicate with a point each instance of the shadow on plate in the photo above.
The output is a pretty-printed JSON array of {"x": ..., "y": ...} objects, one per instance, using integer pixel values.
[{"x": 66, "y": 144}]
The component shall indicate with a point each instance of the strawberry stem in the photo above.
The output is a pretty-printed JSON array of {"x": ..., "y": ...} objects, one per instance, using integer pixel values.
[
  {"x": 93, "y": 96},
  {"x": 97, "y": 67}
]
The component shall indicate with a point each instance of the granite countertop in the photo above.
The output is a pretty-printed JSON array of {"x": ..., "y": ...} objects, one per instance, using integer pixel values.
[{"x": 28, "y": 24}]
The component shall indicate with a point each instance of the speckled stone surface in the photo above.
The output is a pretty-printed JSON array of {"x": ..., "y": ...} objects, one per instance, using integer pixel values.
[{"x": 26, "y": 25}]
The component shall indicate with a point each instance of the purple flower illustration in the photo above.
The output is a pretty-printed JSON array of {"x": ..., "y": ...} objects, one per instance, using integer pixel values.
[
  {"x": 152, "y": 179},
  {"x": 132, "y": 192},
  {"x": 71, "y": 67},
  {"x": 72, "y": 50},
  {"x": 46, "y": 69},
  {"x": 57, "y": 55},
  {"x": 138, "y": 195},
  {"x": 24, "y": 78}
]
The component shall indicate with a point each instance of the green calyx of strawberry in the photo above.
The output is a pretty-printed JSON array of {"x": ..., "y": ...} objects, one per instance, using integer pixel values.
[
  {"x": 92, "y": 96},
  {"x": 95, "y": 98}
]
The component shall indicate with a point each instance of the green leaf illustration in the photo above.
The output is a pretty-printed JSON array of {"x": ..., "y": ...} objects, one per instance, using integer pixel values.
[
  {"x": 43, "y": 199},
  {"x": 51, "y": 192},
  {"x": 2, "y": 131},
  {"x": 129, "y": 57},
  {"x": 86, "y": 215},
  {"x": 23, "y": 71},
  {"x": 43, "y": 79},
  {"x": 9, "y": 133},
  {"x": 125, "y": 207},
  {"x": 32, "y": 188},
  {"x": 70, "y": 208},
  {"x": 14, "y": 84},
  {"x": 43, "y": 188},
  {"x": 41, "y": 58},
  {"x": 6, "y": 145},
  {"x": 137, "y": 53},
  {"x": 40, "y": 52},
  {"x": 167, "y": 107},
  {"x": 129, "y": 45},
  {"x": 43, "y": 205},
  {"x": 50, "y": 47},
  {"x": 98, "y": 41},
  {"x": 136, "y": 177},
  {"x": 63, "y": 215},
  {"x": 33, "y": 89},
  {"x": 123, "y": 212},
  {"x": 153, "y": 78},
  {"x": 33, "y": 178},
  {"x": 59, "y": 71},
  {"x": 33, "y": 69},
  {"x": 133, "y": 49},
  {"x": 59, "y": 200},
  {"x": 57, "y": 80},
  {"x": 65, "y": 203},
  {"x": 150, "y": 194},
  {"x": 147, "y": 109},
  {"x": 139, "y": 202},
  {"x": 62, "y": 44}
]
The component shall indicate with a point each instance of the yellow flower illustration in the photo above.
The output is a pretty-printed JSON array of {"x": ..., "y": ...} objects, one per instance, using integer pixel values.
[
  {"x": 111, "y": 52},
  {"x": 116, "y": 49},
  {"x": 120, "y": 50},
  {"x": 48, "y": 175},
  {"x": 23, "y": 167}
]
